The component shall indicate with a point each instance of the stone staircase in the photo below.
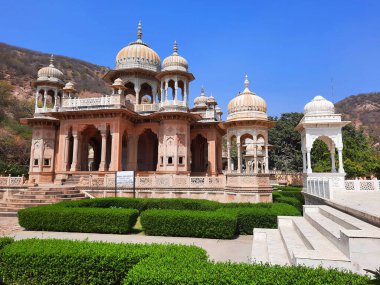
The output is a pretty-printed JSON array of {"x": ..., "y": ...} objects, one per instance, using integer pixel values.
[
  {"x": 72, "y": 180},
  {"x": 324, "y": 237},
  {"x": 36, "y": 196}
]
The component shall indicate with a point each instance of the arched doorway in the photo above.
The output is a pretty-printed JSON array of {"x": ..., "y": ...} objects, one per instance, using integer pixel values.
[
  {"x": 91, "y": 149},
  {"x": 147, "y": 151},
  {"x": 124, "y": 153},
  {"x": 199, "y": 154}
]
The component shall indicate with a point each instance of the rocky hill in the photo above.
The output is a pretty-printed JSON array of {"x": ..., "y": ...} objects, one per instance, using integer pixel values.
[
  {"x": 19, "y": 66},
  {"x": 364, "y": 111}
]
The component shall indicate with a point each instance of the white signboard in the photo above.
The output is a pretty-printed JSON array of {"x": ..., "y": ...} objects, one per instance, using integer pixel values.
[{"x": 124, "y": 178}]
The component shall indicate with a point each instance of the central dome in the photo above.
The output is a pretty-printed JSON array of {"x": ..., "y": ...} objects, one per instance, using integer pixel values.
[
  {"x": 138, "y": 55},
  {"x": 247, "y": 106}
]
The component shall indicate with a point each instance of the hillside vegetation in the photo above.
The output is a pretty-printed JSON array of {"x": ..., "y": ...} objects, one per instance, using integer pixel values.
[{"x": 364, "y": 111}]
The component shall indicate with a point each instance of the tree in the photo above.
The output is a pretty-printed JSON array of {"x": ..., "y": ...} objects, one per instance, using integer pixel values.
[{"x": 286, "y": 153}]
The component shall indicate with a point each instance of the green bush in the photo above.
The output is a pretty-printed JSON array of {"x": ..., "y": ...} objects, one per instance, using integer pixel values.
[
  {"x": 169, "y": 271},
  {"x": 186, "y": 223},
  {"x": 291, "y": 201},
  {"x": 287, "y": 188},
  {"x": 143, "y": 204},
  {"x": 51, "y": 262},
  {"x": 5, "y": 241},
  {"x": 87, "y": 220},
  {"x": 250, "y": 218},
  {"x": 293, "y": 194}
]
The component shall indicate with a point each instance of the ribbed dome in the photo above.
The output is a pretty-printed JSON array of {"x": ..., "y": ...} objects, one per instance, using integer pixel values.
[
  {"x": 50, "y": 73},
  {"x": 69, "y": 86},
  {"x": 319, "y": 106},
  {"x": 138, "y": 55},
  {"x": 247, "y": 105},
  {"x": 175, "y": 61},
  {"x": 201, "y": 100}
]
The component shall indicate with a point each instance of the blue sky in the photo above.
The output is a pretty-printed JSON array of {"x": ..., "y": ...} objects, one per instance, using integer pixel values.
[{"x": 291, "y": 50}]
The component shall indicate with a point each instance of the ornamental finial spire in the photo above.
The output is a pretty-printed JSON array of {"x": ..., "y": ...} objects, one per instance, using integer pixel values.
[
  {"x": 202, "y": 91},
  {"x": 51, "y": 61},
  {"x": 175, "y": 47},
  {"x": 246, "y": 82},
  {"x": 139, "y": 31}
]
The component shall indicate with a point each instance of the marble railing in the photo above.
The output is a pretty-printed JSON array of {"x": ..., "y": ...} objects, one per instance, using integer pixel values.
[
  {"x": 12, "y": 181},
  {"x": 93, "y": 102},
  {"x": 318, "y": 186},
  {"x": 158, "y": 181},
  {"x": 362, "y": 185},
  {"x": 146, "y": 107}
]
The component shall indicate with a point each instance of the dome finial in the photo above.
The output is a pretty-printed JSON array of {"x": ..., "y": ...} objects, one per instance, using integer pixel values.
[
  {"x": 51, "y": 61},
  {"x": 139, "y": 31},
  {"x": 202, "y": 91},
  {"x": 175, "y": 47},
  {"x": 246, "y": 82}
]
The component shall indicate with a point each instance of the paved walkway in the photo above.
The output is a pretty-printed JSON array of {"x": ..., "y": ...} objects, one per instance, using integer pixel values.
[{"x": 236, "y": 250}]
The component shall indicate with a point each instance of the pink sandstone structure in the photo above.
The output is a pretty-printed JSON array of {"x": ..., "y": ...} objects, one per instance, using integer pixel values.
[{"x": 146, "y": 125}]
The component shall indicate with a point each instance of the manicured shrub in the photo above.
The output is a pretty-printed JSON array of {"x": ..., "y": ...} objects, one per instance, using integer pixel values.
[
  {"x": 40, "y": 262},
  {"x": 293, "y": 194},
  {"x": 171, "y": 272},
  {"x": 245, "y": 205},
  {"x": 250, "y": 218},
  {"x": 87, "y": 220},
  {"x": 5, "y": 241},
  {"x": 288, "y": 188},
  {"x": 289, "y": 200},
  {"x": 186, "y": 223},
  {"x": 143, "y": 204}
]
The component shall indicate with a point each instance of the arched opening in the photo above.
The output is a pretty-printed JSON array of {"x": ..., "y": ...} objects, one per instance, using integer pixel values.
[
  {"x": 321, "y": 149},
  {"x": 247, "y": 150},
  {"x": 181, "y": 90},
  {"x": 124, "y": 153},
  {"x": 233, "y": 153},
  {"x": 40, "y": 98},
  {"x": 70, "y": 150},
  {"x": 129, "y": 92},
  {"x": 50, "y": 99},
  {"x": 146, "y": 94},
  {"x": 147, "y": 151},
  {"x": 171, "y": 88},
  {"x": 199, "y": 154},
  {"x": 91, "y": 147}
]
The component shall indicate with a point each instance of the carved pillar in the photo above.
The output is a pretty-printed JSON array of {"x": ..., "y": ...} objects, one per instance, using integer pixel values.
[
  {"x": 74, "y": 164},
  {"x": 256, "y": 170},
  {"x": 340, "y": 157},
  {"x": 41, "y": 161},
  {"x": 176, "y": 90},
  {"x": 239, "y": 156},
  {"x": 137, "y": 91},
  {"x": 55, "y": 100},
  {"x": 304, "y": 161},
  {"x": 102, "y": 165},
  {"x": 266, "y": 159},
  {"x": 308, "y": 155},
  {"x": 45, "y": 98},
  {"x": 333, "y": 169},
  {"x": 67, "y": 154},
  {"x": 116, "y": 150},
  {"x": 228, "y": 155},
  {"x": 166, "y": 90},
  {"x": 185, "y": 92}
]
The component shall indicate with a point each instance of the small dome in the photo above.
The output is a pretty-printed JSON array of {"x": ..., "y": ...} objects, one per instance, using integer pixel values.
[
  {"x": 138, "y": 55},
  {"x": 247, "y": 105},
  {"x": 69, "y": 86},
  {"x": 319, "y": 106},
  {"x": 211, "y": 100},
  {"x": 50, "y": 73},
  {"x": 175, "y": 61},
  {"x": 118, "y": 82},
  {"x": 201, "y": 100}
]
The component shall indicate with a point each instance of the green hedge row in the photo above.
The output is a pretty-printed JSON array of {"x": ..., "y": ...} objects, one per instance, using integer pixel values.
[
  {"x": 288, "y": 188},
  {"x": 143, "y": 204},
  {"x": 260, "y": 217},
  {"x": 170, "y": 271},
  {"x": 51, "y": 262},
  {"x": 185, "y": 223},
  {"x": 292, "y": 198},
  {"x": 86, "y": 220},
  {"x": 4, "y": 241}
]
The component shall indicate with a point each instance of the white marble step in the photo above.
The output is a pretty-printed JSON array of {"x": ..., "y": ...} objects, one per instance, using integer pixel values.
[
  {"x": 268, "y": 247},
  {"x": 306, "y": 245}
]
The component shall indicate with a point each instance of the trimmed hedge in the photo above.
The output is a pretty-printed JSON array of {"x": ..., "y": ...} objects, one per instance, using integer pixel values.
[
  {"x": 5, "y": 241},
  {"x": 292, "y": 198},
  {"x": 288, "y": 188},
  {"x": 51, "y": 262},
  {"x": 250, "y": 218},
  {"x": 184, "y": 223},
  {"x": 143, "y": 204},
  {"x": 86, "y": 220},
  {"x": 169, "y": 271}
]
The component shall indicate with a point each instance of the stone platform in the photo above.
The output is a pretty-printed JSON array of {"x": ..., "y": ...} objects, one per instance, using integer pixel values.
[{"x": 324, "y": 236}]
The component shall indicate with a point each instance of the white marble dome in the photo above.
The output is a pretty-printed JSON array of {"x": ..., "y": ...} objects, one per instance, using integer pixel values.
[
  {"x": 247, "y": 106},
  {"x": 175, "y": 61},
  {"x": 319, "y": 106},
  {"x": 138, "y": 55},
  {"x": 201, "y": 100},
  {"x": 50, "y": 73},
  {"x": 69, "y": 86}
]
